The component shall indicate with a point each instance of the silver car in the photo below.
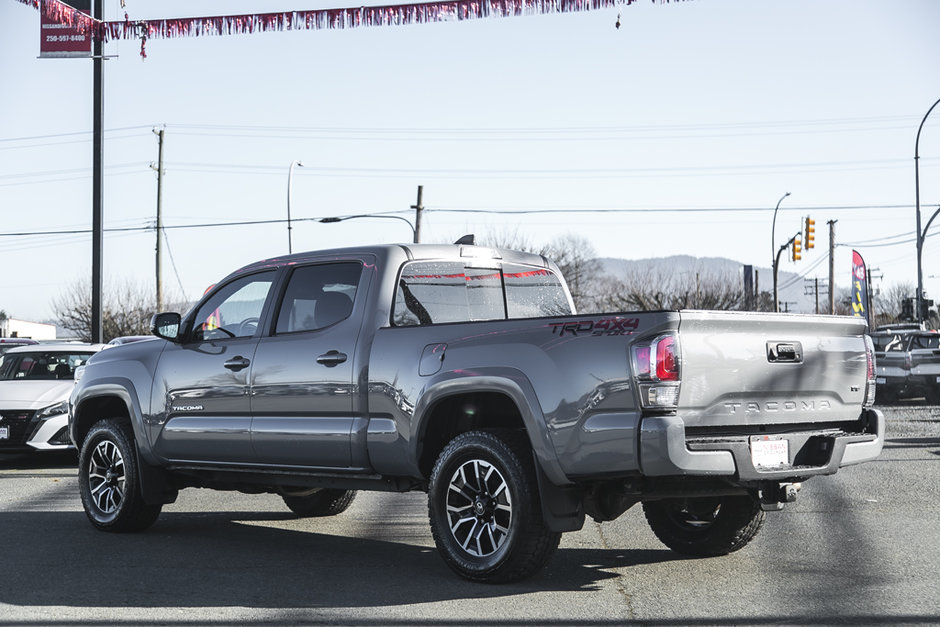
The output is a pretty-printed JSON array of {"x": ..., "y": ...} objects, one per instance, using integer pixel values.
[{"x": 35, "y": 384}]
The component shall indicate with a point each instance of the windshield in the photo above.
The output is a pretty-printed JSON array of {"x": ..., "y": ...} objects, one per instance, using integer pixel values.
[{"x": 41, "y": 364}]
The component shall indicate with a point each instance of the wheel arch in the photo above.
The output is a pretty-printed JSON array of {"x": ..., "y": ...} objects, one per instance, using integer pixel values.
[
  {"x": 486, "y": 400},
  {"x": 117, "y": 399},
  {"x": 492, "y": 401},
  {"x": 104, "y": 400}
]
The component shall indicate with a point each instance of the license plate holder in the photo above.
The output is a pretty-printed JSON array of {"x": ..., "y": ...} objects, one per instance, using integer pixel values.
[
  {"x": 769, "y": 453},
  {"x": 882, "y": 380},
  {"x": 4, "y": 433}
]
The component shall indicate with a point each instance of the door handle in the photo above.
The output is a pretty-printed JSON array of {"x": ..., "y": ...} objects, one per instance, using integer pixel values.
[
  {"x": 331, "y": 358},
  {"x": 236, "y": 363}
]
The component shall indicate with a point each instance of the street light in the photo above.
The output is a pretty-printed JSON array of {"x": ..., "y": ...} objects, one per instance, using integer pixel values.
[
  {"x": 334, "y": 219},
  {"x": 774, "y": 255},
  {"x": 920, "y": 235},
  {"x": 290, "y": 177}
]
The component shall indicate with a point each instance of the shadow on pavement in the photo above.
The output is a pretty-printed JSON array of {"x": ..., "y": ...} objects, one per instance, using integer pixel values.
[{"x": 235, "y": 559}]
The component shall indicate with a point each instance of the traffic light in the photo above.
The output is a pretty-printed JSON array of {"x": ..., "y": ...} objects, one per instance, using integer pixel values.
[
  {"x": 925, "y": 305},
  {"x": 907, "y": 309},
  {"x": 810, "y": 238},
  {"x": 796, "y": 249}
]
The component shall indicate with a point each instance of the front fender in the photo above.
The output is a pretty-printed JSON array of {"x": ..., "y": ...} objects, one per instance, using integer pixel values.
[{"x": 82, "y": 411}]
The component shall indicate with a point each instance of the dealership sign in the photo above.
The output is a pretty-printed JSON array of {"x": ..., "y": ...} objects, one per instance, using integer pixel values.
[{"x": 61, "y": 37}]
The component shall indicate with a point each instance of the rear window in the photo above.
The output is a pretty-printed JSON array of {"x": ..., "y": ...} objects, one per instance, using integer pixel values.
[{"x": 437, "y": 292}]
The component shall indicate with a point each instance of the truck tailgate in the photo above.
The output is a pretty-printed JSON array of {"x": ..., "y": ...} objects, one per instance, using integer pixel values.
[{"x": 746, "y": 368}]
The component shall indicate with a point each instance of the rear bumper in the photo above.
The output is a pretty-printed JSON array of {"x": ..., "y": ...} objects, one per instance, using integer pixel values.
[{"x": 665, "y": 450}]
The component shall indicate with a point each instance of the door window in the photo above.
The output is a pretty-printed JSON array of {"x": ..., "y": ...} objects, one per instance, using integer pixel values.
[
  {"x": 318, "y": 297},
  {"x": 234, "y": 310}
]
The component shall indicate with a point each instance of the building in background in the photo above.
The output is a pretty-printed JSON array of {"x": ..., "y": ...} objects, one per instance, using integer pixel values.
[{"x": 10, "y": 327}]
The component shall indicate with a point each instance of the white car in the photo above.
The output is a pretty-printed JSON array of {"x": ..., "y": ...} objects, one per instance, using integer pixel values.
[{"x": 35, "y": 384}]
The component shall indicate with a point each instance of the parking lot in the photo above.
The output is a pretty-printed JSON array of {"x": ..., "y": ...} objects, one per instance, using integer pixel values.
[{"x": 857, "y": 548}]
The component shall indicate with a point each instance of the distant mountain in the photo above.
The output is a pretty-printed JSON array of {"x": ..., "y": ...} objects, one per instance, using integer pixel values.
[{"x": 791, "y": 287}]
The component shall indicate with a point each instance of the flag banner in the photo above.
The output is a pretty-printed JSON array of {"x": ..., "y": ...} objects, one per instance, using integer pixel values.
[
  {"x": 63, "y": 37},
  {"x": 860, "y": 305},
  {"x": 316, "y": 19}
]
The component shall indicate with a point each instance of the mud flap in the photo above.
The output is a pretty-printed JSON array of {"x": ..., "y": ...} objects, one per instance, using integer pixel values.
[
  {"x": 153, "y": 485},
  {"x": 562, "y": 508}
]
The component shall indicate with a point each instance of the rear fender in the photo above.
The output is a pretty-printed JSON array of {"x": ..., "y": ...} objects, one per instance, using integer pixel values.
[{"x": 507, "y": 381}]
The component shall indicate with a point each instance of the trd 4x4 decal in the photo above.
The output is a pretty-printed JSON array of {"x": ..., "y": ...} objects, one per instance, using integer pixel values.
[{"x": 606, "y": 326}]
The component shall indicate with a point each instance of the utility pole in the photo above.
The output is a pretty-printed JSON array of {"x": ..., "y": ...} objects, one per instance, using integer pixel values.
[
  {"x": 159, "y": 169},
  {"x": 97, "y": 175},
  {"x": 810, "y": 288},
  {"x": 921, "y": 234},
  {"x": 775, "y": 260},
  {"x": 418, "y": 207},
  {"x": 871, "y": 292},
  {"x": 832, "y": 266},
  {"x": 757, "y": 290}
]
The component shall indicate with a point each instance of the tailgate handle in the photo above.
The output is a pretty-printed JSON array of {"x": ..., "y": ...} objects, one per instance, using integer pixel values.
[{"x": 785, "y": 352}]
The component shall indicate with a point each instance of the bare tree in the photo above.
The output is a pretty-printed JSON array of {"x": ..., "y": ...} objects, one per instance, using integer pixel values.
[
  {"x": 889, "y": 302},
  {"x": 577, "y": 260},
  {"x": 660, "y": 289},
  {"x": 574, "y": 255},
  {"x": 126, "y": 310}
]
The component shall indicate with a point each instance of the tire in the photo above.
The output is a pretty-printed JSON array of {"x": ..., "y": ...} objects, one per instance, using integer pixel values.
[
  {"x": 109, "y": 481},
  {"x": 705, "y": 527},
  {"x": 320, "y": 503},
  {"x": 932, "y": 396},
  {"x": 885, "y": 396},
  {"x": 491, "y": 478}
]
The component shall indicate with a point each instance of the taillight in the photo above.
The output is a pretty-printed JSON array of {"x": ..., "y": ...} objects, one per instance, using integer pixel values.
[
  {"x": 870, "y": 372},
  {"x": 667, "y": 362},
  {"x": 656, "y": 366},
  {"x": 641, "y": 359}
]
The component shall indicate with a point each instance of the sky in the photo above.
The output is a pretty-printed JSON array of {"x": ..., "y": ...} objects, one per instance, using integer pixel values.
[{"x": 676, "y": 133}]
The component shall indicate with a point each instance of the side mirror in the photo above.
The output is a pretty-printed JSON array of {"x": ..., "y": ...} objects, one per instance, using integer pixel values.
[{"x": 166, "y": 325}]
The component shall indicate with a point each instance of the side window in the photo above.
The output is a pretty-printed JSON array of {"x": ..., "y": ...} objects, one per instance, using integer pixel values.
[
  {"x": 234, "y": 310},
  {"x": 431, "y": 292},
  {"x": 437, "y": 292},
  {"x": 533, "y": 292},
  {"x": 318, "y": 296},
  {"x": 485, "y": 294}
]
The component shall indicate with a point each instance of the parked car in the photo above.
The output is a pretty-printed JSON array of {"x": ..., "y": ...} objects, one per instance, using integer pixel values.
[
  {"x": 127, "y": 339},
  {"x": 907, "y": 365},
  {"x": 6, "y": 343},
  {"x": 35, "y": 383}
]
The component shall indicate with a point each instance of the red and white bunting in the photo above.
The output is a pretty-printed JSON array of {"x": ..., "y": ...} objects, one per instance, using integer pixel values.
[{"x": 317, "y": 19}]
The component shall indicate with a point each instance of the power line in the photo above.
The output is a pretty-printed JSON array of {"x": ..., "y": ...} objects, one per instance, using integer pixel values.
[
  {"x": 800, "y": 277},
  {"x": 293, "y": 130},
  {"x": 625, "y": 172},
  {"x": 151, "y": 227}
]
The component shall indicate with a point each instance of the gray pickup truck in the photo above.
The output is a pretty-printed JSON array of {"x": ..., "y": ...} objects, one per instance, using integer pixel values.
[
  {"x": 908, "y": 364},
  {"x": 463, "y": 371}
]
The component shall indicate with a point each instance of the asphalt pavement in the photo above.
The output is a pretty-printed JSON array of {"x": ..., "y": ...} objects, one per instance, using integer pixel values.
[{"x": 856, "y": 548}]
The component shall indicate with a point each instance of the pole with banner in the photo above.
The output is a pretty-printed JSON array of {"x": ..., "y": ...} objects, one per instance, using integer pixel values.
[{"x": 860, "y": 304}]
